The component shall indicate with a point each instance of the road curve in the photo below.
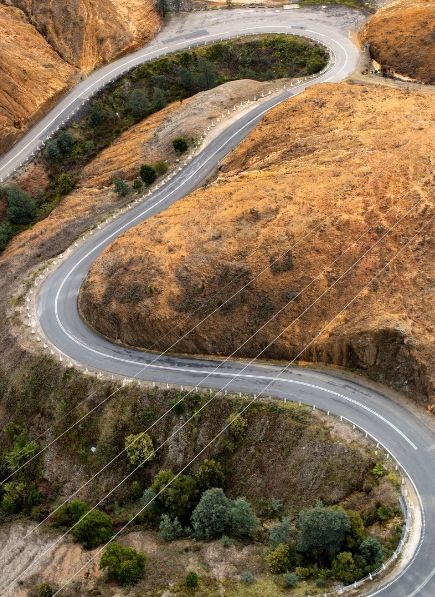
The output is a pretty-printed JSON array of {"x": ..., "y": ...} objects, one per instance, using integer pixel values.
[{"x": 407, "y": 436}]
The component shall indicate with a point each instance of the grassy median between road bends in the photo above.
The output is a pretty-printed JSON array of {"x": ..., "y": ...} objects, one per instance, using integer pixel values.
[
  {"x": 141, "y": 92},
  {"x": 280, "y": 476}
]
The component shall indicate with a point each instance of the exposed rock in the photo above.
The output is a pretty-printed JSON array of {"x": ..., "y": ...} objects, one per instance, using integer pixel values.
[
  {"x": 326, "y": 184},
  {"x": 46, "y": 46},
  {"x": 402, "y": 39}
]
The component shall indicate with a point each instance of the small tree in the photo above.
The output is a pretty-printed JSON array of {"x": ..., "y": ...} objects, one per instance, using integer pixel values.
[
  {"x": 180, "y": 144},
  {"x": 65, "y": 183},
  {"x": 344, "y": 568},
  {"x": 280, "y": 559},
  {"x": 243, "y": 522},
  {"x": 290, "y": 580},
  {"x": 52, "y": 152},
  {"x": 99, "y": 113},
  {"x": 159, "y": 99},
  {"x": 137, "y": 184},
  {"x": 371, "y": 550},
  {"x": 322, "y": 529},
  {"x": 65, "y": 142},
  {"x": 210, "y": 474},
  {"x": 138, "y": 103},
  {"x": 21, "y": 207},
  {"x": 139, "y": 448},
  {"x": 180, "y": 497},
  {"x": 5, "y": 234},
  {"x": 280, "y": 533},
  {"x": 70, "y": 513},
  {"x": 237, "y": 425},
  {"x": 148, "y": 174},
  {"x": 94, "y": 529},
  {"x": 161, "y": 168},
  {"x": 211, "y": 516},
  {"x": 124, "y": 564},
  {"x": 121, "y": 187},
  {"x": 170, "y": 529}
]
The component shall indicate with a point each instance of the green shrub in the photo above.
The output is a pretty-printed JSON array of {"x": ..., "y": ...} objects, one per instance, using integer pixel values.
[
  {"x": 344, "y": 568},
  {"x": 121, "y": 187},
  {"x": 170, "y": 529},
  {"x": 247, "y": 578},
  {"x": 139, "y": 448},
  {"x": 378, "y": 470},
  {"x": 272, "y": 508},
  {"x": 137, "y": 184},
  {"x": 21, "y": 207},
  {"x": 211, "y": 516},
  {"x": 148, "y": 174},
  {"x": 99, "y": 113},
  {"x": 124, "y": 564},
  {"x": 159, "y": 99},
  {"x": 237, "y": 425},
  {"x": 280, "y": 533},
  {"x": 65, "y": 183},
  {"x": 192, "y": 580},
  {"x": 226, "y": 541},
  {"x": 96, "y": 528},
  {"x": 135, "y": 491},
  {"x": 44, "y": 590},
  {"x": 65, "y": 142},
  {"x": 384, "y": 513},
  {"x": 280, "y": 559},
  {"x": 243, "y": 523},
  {"x": 290, "y": 580},
  {"x": 19, "y": 497},
  {"x": 210, "y": 474},
  {"x": 161, "y": 168},
  {"x": 148, "y": 501},
  {"x": 180, "y": 497},
  {"x": 372, "y": 552},
  {"x": 180, "y": 144},
  {"x": 70, "y": 513}
]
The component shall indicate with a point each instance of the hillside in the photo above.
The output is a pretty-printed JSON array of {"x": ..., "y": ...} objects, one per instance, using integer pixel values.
[
  {"x": 346, "y": 161},
  {"x": 47, "y": 46},
  {"x": 402, "y": 39}
]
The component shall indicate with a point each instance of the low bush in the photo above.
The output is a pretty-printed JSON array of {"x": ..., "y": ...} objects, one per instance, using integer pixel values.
[
  {"x": 148, "y": 174},
  {"x": 125, "y": 565},
  {"x": 70, "y": 513},
  {"x": 192, "y": 580},
  {"x": 210, "y": 474},
  {"x": 180, "y": 144},
  {"x": 280, "y": 559},
  {"x": 94, "y": 529},
  {"x": 170, "y": 529},
  {"x": 139, "y": 448}
]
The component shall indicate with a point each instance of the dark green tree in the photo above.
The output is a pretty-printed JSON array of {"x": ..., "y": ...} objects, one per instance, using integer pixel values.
[
  {"x": 148, "y": 174},
  {"x": 170, "y": 529},
  {"x": 280, "y": 532},
  {"x": 125, "y": 565},
  {"x": 192, "y": 580},
  {"x": 70, "y": 513},
  {"x": 100, "y": 113},
  {"x": 52, "y": 152},
  {"x": 344, "y": 568},
  {"x": 322, "y": 529},
  {"x": 121, "y": 187},
  {"x": 243, "y": 522},
  {"x": 372, "y": 552},
  {"x": 159, "y": 99},
  {"x": 211, "y": 517},
  {"x": 138, "y": 104},
  {"x": 6, "y": 233},
  {"x": 65, "y": 142},
  {"x": 94, "y": 529},
  {"x": 206, "y": 74},
  {"x": 45, "y": 590},
  {"x": 65, "y": 183},
  {"x": 21, "y": 207}
]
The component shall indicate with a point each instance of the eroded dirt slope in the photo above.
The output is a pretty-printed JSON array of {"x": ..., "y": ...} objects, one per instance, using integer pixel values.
[
  {"x": 402, "y": 38},
  {"x": 44, "y": 44},
  {"x": 31, "y": 74},
  {"x": 324, "y": 175}
]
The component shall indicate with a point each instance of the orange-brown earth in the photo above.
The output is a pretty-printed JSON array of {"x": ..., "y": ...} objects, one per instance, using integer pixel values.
[
  {"x": 319, "y": 182},
  {"x": 46, "y": 46},
  {"x": 402, "y": 38}
]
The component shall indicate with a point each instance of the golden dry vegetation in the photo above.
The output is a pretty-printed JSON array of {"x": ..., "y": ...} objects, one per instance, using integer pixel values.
[
  {"x": 46, "y": 46},
  {"x": 317, "y": 184},
  {"x": 402, "y": 38}
]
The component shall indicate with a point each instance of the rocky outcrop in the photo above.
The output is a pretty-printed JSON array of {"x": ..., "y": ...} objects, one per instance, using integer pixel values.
[
  {"x": 46, "y": 45},
  {"x": 294, "y": 208},
  {"x": 402, "y": 39}
]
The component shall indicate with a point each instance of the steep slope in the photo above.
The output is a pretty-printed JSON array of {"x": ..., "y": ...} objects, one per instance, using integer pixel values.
[
  {"x": 338, "y": 163},
  {"x": 402, "y": 38},
  {"x": 31, "y": 74},
  {"x": 44, "y": 44}
]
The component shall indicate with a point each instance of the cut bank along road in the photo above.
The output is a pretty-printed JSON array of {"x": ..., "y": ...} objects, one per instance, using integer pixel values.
[{"x": 406, "y": 436}]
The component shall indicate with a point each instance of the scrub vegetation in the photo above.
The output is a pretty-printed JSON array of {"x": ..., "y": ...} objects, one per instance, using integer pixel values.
[
  {"x": 138, "y": 94},
  {"x": 312, "y": 517}
]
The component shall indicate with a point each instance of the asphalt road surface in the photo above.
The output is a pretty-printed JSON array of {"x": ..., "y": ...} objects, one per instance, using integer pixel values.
[{"x": 406, "y": 435}]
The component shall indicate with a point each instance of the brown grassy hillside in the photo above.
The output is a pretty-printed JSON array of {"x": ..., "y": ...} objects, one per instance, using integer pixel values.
[
  {"x": 402, "y": 38},
  {"x": 346, "y": 160},
  {"x": 43, "y": 44}
]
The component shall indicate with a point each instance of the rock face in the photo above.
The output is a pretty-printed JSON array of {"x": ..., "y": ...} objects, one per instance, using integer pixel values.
[
  {"x": 402, "y": 38},
  {"x": 285, "y": 232},
  {"x": 44, "y": 44}
]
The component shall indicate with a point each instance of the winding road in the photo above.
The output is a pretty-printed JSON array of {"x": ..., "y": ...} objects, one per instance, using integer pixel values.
[{"x": 407, "y": 435}]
